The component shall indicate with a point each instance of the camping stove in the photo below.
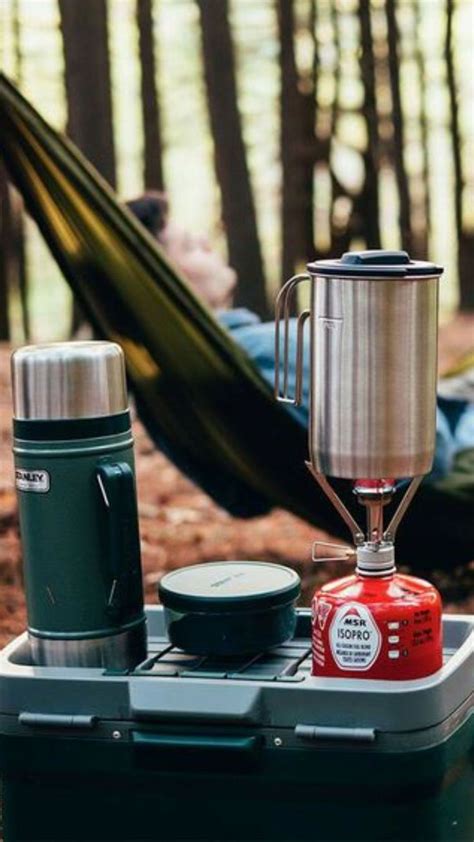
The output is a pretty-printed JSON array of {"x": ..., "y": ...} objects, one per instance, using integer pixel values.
[
  {"x": 373, "y": 354},
  {"x": 377, "y": 623}
]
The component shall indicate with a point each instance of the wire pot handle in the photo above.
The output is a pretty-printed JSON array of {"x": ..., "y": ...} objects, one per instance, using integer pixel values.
[{"x": 282, "y": 312}]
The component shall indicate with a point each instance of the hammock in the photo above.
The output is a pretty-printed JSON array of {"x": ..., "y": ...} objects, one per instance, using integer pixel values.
[{"x": 199, "y": 395}]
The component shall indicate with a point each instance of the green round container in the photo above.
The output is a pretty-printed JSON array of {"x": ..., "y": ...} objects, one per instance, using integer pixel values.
[{"x": 230, "y": 608}]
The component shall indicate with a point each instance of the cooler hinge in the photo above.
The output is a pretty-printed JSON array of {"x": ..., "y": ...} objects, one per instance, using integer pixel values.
[
  {"x": 323, "y": 732},
  {"x": 56, "y": 720}
]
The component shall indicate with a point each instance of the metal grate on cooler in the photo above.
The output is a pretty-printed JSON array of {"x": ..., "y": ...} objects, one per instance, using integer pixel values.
[{"x": 289, "y": 662}]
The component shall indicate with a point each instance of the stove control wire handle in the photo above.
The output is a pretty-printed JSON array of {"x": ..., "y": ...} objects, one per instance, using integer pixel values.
[
  {"x": 282, "y": 312},
  {"x": 346, "y": 553}
]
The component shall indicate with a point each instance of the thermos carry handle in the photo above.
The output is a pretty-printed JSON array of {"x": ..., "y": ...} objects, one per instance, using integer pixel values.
[
  {"x": 122, "y": 543},
  {"x": 192, "y": 751},
  {"x": 282, "y": 311}
]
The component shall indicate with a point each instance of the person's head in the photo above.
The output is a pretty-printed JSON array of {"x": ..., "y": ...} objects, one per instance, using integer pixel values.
[
  {"x": 203, "y": 267},
  {"x": 151, "y": 210}
]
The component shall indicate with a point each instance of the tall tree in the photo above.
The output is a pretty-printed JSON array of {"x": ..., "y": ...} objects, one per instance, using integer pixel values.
[
  {"x": 238, "y": 208},
  {"x": 88, "y": 90},
  {"x": 297, "y": 146},
  {"x": 423, "y": 236},
  {"x": 465, "y": 239},
  {"x": 18, "y": 228},
  {"x": 5, "y": 255},
  {"x": 404, "y": 213},
  {"x": 341, "y": 234},
  {"x": 369, "y": 203},
  {"x": 152, "y": 156},
  {"x": 87, "y": 76}
]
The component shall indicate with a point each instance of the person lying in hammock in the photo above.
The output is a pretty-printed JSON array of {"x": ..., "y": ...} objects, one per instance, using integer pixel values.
[{"x": 214, "y": 281}]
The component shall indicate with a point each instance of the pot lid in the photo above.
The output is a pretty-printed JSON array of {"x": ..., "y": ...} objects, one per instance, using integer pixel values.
[
  {"x": 374, "y": 263},
  {"x": 229, "y": 586}
]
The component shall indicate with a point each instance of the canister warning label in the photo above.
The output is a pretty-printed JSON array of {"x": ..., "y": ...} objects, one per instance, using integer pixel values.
[
  {"x": 320, "y": 612},
  {"x": 354, "y": 637},
  {"x": 32, "y": 480}
]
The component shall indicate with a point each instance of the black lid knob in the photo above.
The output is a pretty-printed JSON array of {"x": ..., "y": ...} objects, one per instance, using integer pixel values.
[{"x": 376, "y": 257}]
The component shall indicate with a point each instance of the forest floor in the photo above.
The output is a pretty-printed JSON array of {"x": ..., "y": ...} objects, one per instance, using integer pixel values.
[{"x": 180, "y": 525}]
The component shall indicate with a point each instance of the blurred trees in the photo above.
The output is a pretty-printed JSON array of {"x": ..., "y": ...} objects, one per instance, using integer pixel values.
[
  {"x": 422, "y": 231},
  {"x": 238, "y": 207},
  {"x": 356, "y": 127},
  {"x": 152, "y": 147},
  {"x": 398, "y": 122},
  {"x": 465, "y": 239},
  {"x": 369, "y": 208},
  {"x": 13, "y": 275},
  {"x": 298, "y": 142},
  {"x": 12, "y": 261},
  {"x": 87, "y": 79},
  {"x": 5, "y": 254},
  {"x": 88, "y": 90}
]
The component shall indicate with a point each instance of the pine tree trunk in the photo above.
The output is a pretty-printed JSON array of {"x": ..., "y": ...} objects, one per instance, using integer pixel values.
[
  {"x": 152, "y": 164},
  {"x": 423, "y": 238},
  {"x": 465, "y": 240},
  {"x": 238, "y": 208},
  {"x": 297, "y": 151},
  {"x": 17, "y": 201},
  {"x": 369, "y": 200},
  {"x": 87, "y": 77},
  {"x": 88, "y": 90},
  {"x": 5, "y": 255},
  {"x": 340, "y": 237},
  {"x": 404, "y": 215},
  {"x": 313, "y": 153},
  {"x": 290, "y": 139}
]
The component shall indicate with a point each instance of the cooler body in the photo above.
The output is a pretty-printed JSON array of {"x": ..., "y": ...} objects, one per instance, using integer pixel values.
[{"x": 189, "y": 748}]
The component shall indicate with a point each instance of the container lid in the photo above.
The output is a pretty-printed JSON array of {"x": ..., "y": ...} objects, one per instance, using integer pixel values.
[
  {"x": 64, "y": 380},
  {"x": 229, "y": 586},
  {"x": 374, "y": 263}
]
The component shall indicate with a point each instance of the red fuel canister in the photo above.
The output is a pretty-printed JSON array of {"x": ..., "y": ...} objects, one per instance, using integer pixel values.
[{"x": 377, "y": 626}]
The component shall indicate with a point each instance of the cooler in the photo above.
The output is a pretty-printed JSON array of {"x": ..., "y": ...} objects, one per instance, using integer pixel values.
[{"x": 200, "y": 748}]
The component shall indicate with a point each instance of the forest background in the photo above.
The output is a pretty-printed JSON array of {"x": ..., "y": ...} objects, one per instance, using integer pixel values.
[{"x": 284, "y": 129}]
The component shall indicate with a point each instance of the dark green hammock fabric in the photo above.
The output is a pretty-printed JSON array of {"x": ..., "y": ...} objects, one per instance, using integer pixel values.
[{"x": 199, "y": 395}]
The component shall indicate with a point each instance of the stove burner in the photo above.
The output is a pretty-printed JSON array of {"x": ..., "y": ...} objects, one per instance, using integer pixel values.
[{"x": 289, "y": 662}]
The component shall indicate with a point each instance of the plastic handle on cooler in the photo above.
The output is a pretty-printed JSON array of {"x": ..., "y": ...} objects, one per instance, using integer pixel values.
[
  {"x": 117, "y": 486},
  {"x": 282, "y": 311},
  {"x": 204, "y": 752}
]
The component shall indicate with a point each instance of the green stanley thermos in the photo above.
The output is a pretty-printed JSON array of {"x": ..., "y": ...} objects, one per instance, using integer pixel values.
[{"x": 74, "y": 474}]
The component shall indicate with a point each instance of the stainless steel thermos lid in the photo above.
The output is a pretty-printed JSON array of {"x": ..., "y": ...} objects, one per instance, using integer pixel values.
[{"x": 65, "y": 380}]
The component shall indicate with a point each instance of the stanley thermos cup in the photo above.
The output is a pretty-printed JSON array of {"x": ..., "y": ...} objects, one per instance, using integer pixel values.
[{"x": 74, "y": 473}]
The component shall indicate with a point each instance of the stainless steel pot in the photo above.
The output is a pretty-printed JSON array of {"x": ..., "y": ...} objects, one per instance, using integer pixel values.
[{"x": 373, "y": 344}]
